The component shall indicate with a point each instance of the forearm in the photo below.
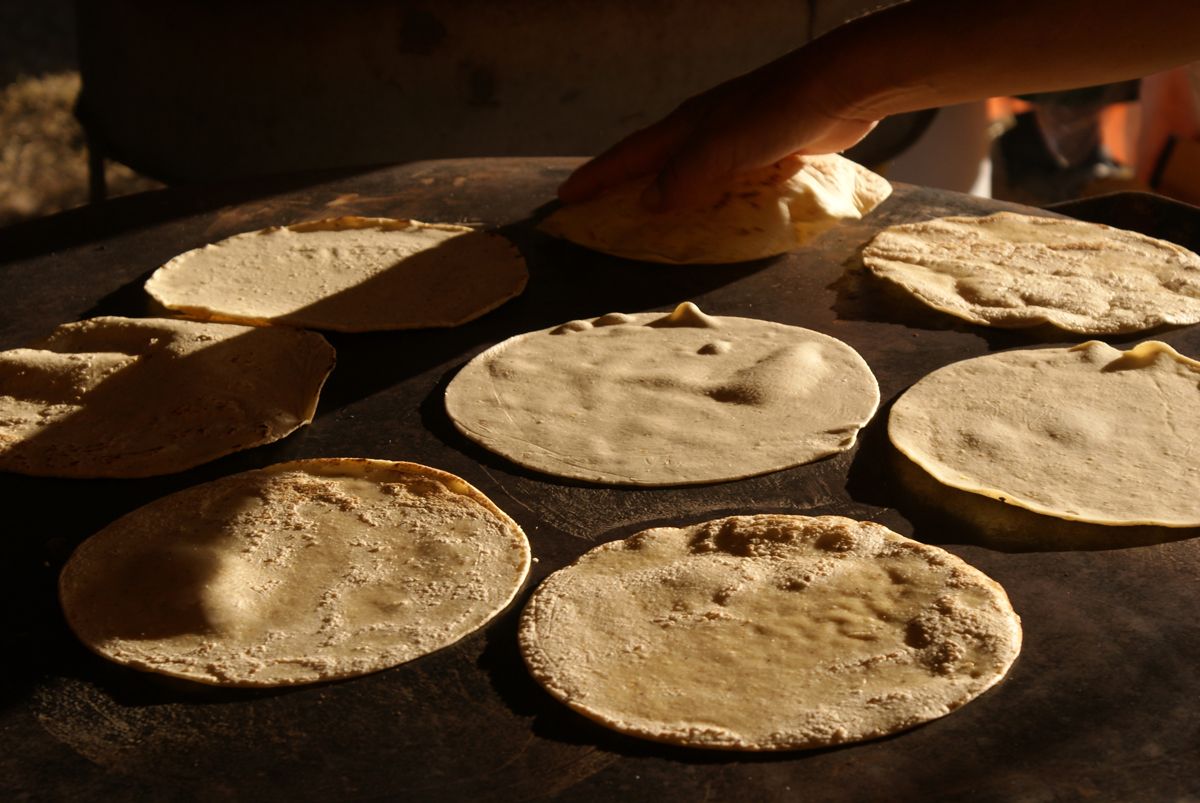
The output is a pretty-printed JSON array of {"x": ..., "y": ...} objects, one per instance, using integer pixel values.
[
  {"x": 825, "y": 96},
  {"x": 927, "y": 53}
]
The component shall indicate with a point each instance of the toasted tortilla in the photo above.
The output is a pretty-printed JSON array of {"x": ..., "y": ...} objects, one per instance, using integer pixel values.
[
  {"x": 1088, "y": 433},
  {"x": 664, "y": 399},
  {"x": 1012, "y": 270},
  {"x": 755, "y": 218},
  {"x": 125, "y": 397},
  {"x": 768, "y": 632},
  {"x": 301, "y": 572},
  {"x": 348, "y": 274}
]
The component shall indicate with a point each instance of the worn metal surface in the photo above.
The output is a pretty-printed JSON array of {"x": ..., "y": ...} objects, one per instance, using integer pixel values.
[{"x": 1102, "y": 703}]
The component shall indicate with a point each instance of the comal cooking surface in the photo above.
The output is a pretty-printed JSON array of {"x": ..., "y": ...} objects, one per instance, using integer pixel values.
[{"x": 1102, "y": 703}]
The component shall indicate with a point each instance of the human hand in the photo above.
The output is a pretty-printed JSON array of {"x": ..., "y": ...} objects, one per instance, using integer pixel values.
[
  {"x": 921, "y": 54},
  {"x": 749, "y": 124}
]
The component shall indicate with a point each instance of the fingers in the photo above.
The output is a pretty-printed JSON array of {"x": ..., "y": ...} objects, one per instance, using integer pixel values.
[
  {"x": 756, "y": 122},
  {"x": 745, "y": 124},
  {"x": 642, "y": 152},
  {"x": 840, "y": 137},
  {"x": 711, "y": 158},
  {"x": 693, "y": 177},
  {"x": 647, "y": 150}
]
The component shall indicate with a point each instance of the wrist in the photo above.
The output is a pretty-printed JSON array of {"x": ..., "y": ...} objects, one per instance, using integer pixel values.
[
  {"x": 848, "y": 75},
  {"x": 824, "y": 84}
]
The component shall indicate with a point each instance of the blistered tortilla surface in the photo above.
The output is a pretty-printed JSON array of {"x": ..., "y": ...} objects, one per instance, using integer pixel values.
[
  {"x": 300, "y": 572},
  {"x": 136, "y": 397},
  {"x": 1012, "y": 270},
  {"x": 664, "y": 399},
  {"x": 755, "y": 218},
  {"x": 347, "y": 274},
  {"x": 1088, "y": 433},
  {"x": 768, "y": 632}
]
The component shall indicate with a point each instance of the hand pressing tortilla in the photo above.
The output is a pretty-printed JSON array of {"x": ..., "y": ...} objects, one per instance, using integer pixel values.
[{"x": 755, "y": 217}]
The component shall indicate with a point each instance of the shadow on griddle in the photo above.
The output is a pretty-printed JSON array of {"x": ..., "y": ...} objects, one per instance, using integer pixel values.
[
  {"x": 51, "y": 516},
  {"x": 881, "y": 475},
  {"x": 565, "y": 282},
  {"x": 568, "y": 281},
  {"x": 130, "y": 300}
]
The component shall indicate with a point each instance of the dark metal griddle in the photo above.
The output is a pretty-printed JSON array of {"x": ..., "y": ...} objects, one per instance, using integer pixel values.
[{"x": 1103, "y": 704}]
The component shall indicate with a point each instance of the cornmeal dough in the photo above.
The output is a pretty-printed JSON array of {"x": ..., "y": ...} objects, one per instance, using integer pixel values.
[
  {"x": 300, "y": 572},
  {"x": 768, "y": 632},
  {"x": 347, "y": 274},
  {"x": 1087, "y": 433},
  {"x": 664, "y": 399},
  {"x": 757, "y": 217},
  {"x": 125, "y": 397},
  {"x": 1015, "y": 270}
]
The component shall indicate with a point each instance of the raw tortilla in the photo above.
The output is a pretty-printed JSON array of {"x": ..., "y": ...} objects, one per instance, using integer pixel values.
[
  {"x": 348, "y": 274},
  {"x": 125, "y": 397},
  {"x": 1015, "y": 270},
  {"x": 755, "y": 218},
  {"x": 1087, "y": 433},
  {"x": 300, "y": 572},
  {"x": 768, "y": 632},
  {"x": 654, "y": 399}
]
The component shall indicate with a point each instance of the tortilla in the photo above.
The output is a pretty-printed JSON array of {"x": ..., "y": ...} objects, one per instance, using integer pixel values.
[
  {"x": 1087, "y": 433},
  {"x": 664, "y": 399},
  {"x": 124, "y": 397},
  {"x": 768, "y": 632},
  {"x": 1011, "y": 270},
  {"x": 301, "y": 572},
  {"x": 348, "y": 274},
  {"x": 755, "y": 218}
]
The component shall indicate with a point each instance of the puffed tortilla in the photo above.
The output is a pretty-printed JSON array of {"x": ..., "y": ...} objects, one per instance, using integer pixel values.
[
  {"x": 126, "y": 397},
  {"x": 755, "y": 218},
  {"x": 301, "y": 572},
  {"x": 348, "y": 274},
  {"x": 664, "y": 399},
  {"x": 1012, "y": 270},
  {"x": 768, "y": 632},
  {"x": 1088, "y": 433}
]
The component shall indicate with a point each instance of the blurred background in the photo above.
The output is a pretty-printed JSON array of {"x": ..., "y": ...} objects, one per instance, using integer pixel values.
[
  {"x": 43, "y": 156},
  {"x": 189, "y": 92}
]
